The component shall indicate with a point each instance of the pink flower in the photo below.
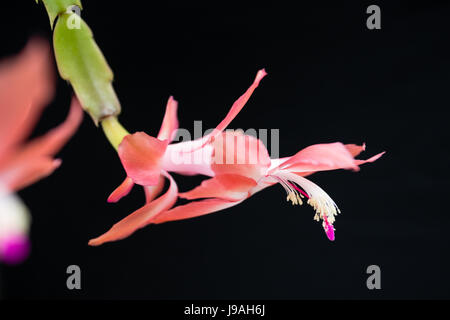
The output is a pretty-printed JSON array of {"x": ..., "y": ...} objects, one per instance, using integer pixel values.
[
  {"x": 26, "y": 86},
  {"x": 239, "y": 166}
]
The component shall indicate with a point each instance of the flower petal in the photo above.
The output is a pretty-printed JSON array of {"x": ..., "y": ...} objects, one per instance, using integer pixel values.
[
  {"x": 234, "y": 110},
  {"x": 194, "y": 209},
  {"x": 151, "y": 192},
  {"x": 26, "y": 86},
  {"x": 141, "y": 157},
  {"x": 170, "y": 122},
  {"x": 230, "y": 187},
  {"x": 35, "y": 161},
  {"x": 236, "y": 153},
  {"x": 140, "y": 218},
  {"x": 121, "y": 191},
  {"x": 240, "y": 103},
  {"x": 320, "y": 157},
  {"x": 371, "y": 159},
  {"x": 354, "y": 149},
  {"x": 50, "y": 143},
  {"x": 26, "y": 171}
]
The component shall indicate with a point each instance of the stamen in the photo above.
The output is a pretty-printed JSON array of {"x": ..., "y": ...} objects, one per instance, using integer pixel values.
[
  {"x": 324, "y": 206},
  {"x": 299, "y": 190},
  {"x": 292, "y": 194}
]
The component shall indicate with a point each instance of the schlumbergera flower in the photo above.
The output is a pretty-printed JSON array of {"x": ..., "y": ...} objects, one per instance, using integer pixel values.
[
  {"x": 26, "y": 86},
  {"x": 238, "y": 166}
]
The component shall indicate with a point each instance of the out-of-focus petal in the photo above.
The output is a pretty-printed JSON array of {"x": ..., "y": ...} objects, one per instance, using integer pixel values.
[
  {"x": 140, "y": 218},
  {"x": 50, "y": 143},
  {"x": 236, "y": 153},
  {"x": 26, "y": 171},
  {"x": 15, "y": 249},
  {"x": 194, "y": 209},
  {"x": 14, "y": 215},
  {"x": 170, "y": 122},
  {"x": 320, "y": 157},
  {"x": 14, "y": 227},
  {"x": 26, "y": 86},
  {"x": 141, "y": 157},
  {"x": 35, "y": 160},
  {"x": 121, "y": 191},
  {"x": 230, "y": 187}
]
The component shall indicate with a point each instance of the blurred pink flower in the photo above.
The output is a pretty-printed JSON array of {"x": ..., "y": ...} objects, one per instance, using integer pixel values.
[{"x": 26, "y": 87}]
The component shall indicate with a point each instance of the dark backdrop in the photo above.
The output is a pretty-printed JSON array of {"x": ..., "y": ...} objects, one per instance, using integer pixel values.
[{"x": 330, "y": 79}]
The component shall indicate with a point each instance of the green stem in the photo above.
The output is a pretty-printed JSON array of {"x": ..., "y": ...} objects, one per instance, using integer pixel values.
[
  {"x": 56, "y": 7},
  {"x": 114, "y": 131},
  {"x": 81, "y": 62}
]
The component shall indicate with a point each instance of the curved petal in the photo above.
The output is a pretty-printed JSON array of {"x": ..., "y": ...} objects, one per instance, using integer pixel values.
[
  {"x": 320, "y": 157},
  {"x": 50, "y": 143},
  {"x": 26, "y": 86},
  {"x": 151, "y": 192},
  {"x": 234, "y": 110},
  {"x": 240, "y": 103},
  {"x": 141, "y": 156},
  {"x": 371, "y": 159},
  {"x": 230, "y": 187},
  {"x": 26, "y": 171},
  {"x": 170, "y": 122},
  {"x": 236, "y": 153},
  {"x": 121, "y": 191},
  {"x": 194, "y": 209},
  {"x": 35, "y": 161},
  {"x": 140, "y": 218}
]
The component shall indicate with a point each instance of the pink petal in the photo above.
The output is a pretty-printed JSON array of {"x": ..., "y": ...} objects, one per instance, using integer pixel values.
[
  {"x": 140, "y": 218},
  {"x": 50, "y": 143},
  {"x": 236, "y": 153},
  {"x": 354, "y": 149},
  {"x": 26, "y": 86},
  {"x": 235, "y": 108},
  {"x": 151, "y": 192},
  {"x": 170, "y": 122},
  {"x": 371, "y": 159},
  {"x": 240, "y": 103},
  {"x": 230, "y": 187},
  {"x": 141, "y": 157},
  {"x": 194, "y": 209},
  {"x": 35, "y": 161},
  {"x": 321, "y": 157},
  {"x": 121, "y": 191},
  {"x": 26, "y": 171}
]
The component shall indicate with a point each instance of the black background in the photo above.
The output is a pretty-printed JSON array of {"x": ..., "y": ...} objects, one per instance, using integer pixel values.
[{"x": 330, "y": 79}]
